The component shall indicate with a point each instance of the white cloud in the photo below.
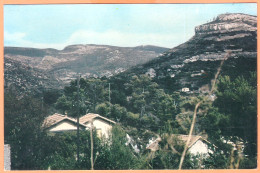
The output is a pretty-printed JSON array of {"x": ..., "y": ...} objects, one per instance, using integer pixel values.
[
  {"x": 18, "y": 39},
  {"x": 126, "y": 39},
  {"x": 14, "y": 36}
]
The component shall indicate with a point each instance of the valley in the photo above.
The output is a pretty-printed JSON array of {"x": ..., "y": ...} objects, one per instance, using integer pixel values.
[{"x": 151, "y": 93}]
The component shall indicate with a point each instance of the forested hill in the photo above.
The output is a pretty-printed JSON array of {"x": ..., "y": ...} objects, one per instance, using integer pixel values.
[{"x": 194, "y": 63}]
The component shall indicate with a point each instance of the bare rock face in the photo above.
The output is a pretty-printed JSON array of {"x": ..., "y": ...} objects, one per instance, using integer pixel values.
[{"x": 228, "y": 23}]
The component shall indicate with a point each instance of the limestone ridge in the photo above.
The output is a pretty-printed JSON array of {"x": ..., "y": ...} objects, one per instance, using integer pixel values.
[
  {"x": 193, "y": 63},
  {"x": 225, "y": 23}
]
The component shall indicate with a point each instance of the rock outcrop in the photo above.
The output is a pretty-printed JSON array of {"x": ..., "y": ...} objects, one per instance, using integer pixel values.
[
  {"x": 193, "y": 64},
  {"x": 228, "y": 23}
]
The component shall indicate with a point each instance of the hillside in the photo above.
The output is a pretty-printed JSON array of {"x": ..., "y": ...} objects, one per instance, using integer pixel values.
[
  {"x": 22, "y": 79},
  {"x": 194, "y": 63},
  {"x": 33, "y": 69}
]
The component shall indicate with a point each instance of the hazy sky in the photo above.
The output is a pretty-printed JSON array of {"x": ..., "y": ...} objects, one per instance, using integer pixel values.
[{"x": 56, "y": 26}]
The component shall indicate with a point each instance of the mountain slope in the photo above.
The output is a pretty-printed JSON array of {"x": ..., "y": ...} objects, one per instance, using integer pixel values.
[
  {"x": 194, "y": 63},
  {"x": 35, "y": 69},
  {"x": 22, "y": 79},
  {"x": 89, "y": 60}
]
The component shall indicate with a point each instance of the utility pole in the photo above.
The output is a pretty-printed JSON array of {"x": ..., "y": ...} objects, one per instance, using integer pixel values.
[
  {"x": 109, "y": 99},
  {"x": 95, "y": 97},
  {"x": 143, "y": 106},
  {"x": 78, "y": 118}
]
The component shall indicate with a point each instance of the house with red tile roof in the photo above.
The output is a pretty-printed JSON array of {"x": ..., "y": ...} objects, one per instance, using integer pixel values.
[
  {"x": 197, "y": 144},
  {"x": 61, "y": 123},
  {"x": 101, "y": 124}
]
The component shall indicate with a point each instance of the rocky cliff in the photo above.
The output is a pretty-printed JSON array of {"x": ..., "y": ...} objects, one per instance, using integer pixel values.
[
  {"x": 194, "y": 63},
  {"x": 225, "y": 23}
]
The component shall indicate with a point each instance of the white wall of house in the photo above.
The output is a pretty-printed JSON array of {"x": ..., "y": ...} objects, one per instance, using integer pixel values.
[
  {"x": 199, "y": 147},
  {"x": 7, "y": 157},
  {"x": 185, "y": 89},
  {"x": 103, "y": 126},
  {"x": 63, "y": 127}
]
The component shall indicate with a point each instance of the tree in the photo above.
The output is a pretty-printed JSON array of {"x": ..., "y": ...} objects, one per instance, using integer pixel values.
[
  {"x": 117, "y": 113},
  {"x": 169, "y": 153},
  {"x": 154, "y": 106},
  {"x": 237, "y": 101},
  {"x": 233, "y": 116},
  {"x": 62, "y": 154},
  {"x": 91, "y": 93},
  {"x": 23, "y": 131},
  {"x": 115, "y": 154},
  {"x": 50, "y": 96}
]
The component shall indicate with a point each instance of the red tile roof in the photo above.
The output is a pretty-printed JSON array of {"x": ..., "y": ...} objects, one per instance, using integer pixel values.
[
  {"x": 90, "y": 116},
  {"x": 183, "y": 138},
  {"x": 193, "y": 139},
  {"x": 56, "y": 118}
]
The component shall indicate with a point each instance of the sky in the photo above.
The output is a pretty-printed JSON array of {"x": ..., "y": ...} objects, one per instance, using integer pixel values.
[{"x": 126, "y": 25}]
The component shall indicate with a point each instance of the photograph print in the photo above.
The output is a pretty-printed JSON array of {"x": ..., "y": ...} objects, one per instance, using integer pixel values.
[{"x": 130, "y": 86}]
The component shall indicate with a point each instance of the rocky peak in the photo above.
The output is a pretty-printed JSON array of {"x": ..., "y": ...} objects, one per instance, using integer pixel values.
[
  {"x": 236, "y": 17},
  {"x": 193, "y": 64},
  {"x": 227, "y": 23}
]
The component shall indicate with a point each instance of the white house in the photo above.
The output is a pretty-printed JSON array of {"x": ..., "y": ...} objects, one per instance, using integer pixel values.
[
  {"x": 102, "y": 125},
  {"x": 61, "y": 123},
  {"x": 197, "y": 145},
  {"x": 154, "y": 145},
  {"x": 185, "y": 89}
]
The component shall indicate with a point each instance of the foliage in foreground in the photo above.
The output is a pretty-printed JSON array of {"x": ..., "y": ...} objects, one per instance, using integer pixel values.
[
  {"x": 233, "y": 118},
  {"x": 142, "y": 105}
]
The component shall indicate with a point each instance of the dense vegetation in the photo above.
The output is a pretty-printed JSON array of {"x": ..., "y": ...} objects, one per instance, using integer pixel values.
[{"x": 142, "y": 109}]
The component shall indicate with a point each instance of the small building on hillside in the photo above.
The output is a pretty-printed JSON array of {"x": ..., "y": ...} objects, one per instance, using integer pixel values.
[
  {"x": 197, "y": 145},
  {"x": 185, "y": 90},
  {"x": 102, "y": 125},
  {"x": 61, "y": 123},
  {"x": 154, "y": 145}
]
